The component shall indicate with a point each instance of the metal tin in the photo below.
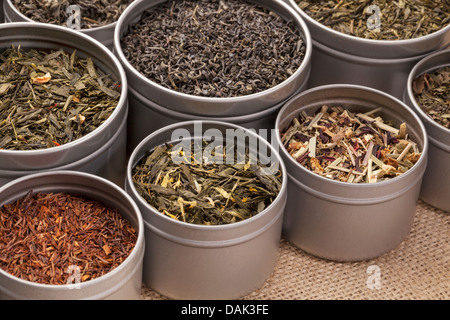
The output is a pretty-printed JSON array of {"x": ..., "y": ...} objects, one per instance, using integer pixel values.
[
  {"x": 187, "y": 261},
  {"x": 101, "y": 152},
  {"x": 436, "y": 181},
  {"x": 122, "y": 283},
  {"x": 381, "y": 64},
  {"x": 2, "y": 15},
  {"x": 345, "y": 221},
  {"x": 207, "y": 106},
  {"x": 103, "y": 34}
]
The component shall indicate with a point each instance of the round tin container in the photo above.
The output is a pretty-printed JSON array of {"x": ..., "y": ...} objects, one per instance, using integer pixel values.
[
  {"x": 189, "y": 261},
  {"x": 348, "y": 221},
  {"x": 152, "y": 104},
  {"x": 381, "y": 64},
  {"x": 103, "y": 151},
  {"x": 121, "y": 283},
  {"x": 436, "y": 181}
]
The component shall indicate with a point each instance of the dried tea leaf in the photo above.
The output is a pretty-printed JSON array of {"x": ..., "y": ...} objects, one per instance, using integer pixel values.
[{"x": 207, "y": 192}]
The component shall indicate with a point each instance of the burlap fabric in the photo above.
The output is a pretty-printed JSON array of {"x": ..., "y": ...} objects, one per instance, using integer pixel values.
[{"x": 418, "y": 269}]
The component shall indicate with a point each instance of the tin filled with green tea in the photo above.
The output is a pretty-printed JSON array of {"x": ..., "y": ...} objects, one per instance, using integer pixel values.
[
  {"x": 209, "y": 191},
  {"x": 350, "y": 146},
  {"x": 43, "y": 236},
  {"x": 380, "y": 20},
  {"x": 214, "y": 48},
  {"x": 234, "y": 61},
  {"x": 372, "y": 43},
  {"x": 428, "y": 94},
  {"x": 432, "y": 93},
  {"x": 212, "y": 196},
  {"x": 69, "y": 235}
]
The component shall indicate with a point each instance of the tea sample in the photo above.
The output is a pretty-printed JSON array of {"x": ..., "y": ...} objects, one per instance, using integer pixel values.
[
  {"x": 432, "y": 93},
  {"x": 380, "y": 19},
  {"x": 49, "y": 98},
  {"x": 51, "y": 238},
  {"x": 204, "y": 192},
  {"x": 224, "y": 48},
  {"x": 350, "y": 147},
  {"x": 93, "y": 14}
]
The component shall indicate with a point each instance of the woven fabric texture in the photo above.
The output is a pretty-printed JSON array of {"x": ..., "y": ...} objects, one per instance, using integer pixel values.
[{"x": 418, "y": 269}]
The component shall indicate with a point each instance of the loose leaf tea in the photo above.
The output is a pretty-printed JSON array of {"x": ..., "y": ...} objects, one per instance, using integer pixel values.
[
  {"x": 51, "y": 237},
  {"x": 380, "y": 19},
  {"x": 213, "y": 48},
  {"x": 204, "y": 192},
  {"x": 432, "y": 93},
  {"x": 49, "y": 98},
  {"x": 350, "y": 147},
  {"x": 93, "y": 13}
]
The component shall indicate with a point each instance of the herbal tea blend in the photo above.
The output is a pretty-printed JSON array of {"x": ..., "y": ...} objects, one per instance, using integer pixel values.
[
  {"x": 380, "y": 19},
  {"x": 93, "y": 13},
  {"x": 432, "y": 93},
  {"x": 350, "y": 147},
  {"x": 210, "y": 48},
  {"x": 204, "y": 192},
  {"x": 49, "y": 98},
  {"x": 50, "y": 237}
]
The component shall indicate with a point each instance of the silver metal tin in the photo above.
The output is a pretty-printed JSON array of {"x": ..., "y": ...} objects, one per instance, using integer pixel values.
[
  {"x": 122, "y": 283},
  {"x": 207, "y": 106},
  {"x": 345, "y": 221},
  {"x": 187, "y": 261},
  {"x": 145, "y": 117},
  {"x": 101, "y": 152},
  {"x": 103, "y": 34},
  {"x": 436, "y": 181},
  {"x": 2, "y": 15},
  {"x": 381, "y": 64}
]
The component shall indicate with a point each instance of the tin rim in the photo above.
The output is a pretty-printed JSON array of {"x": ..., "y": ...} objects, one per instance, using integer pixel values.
[{"x": 417, "y": 166}]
